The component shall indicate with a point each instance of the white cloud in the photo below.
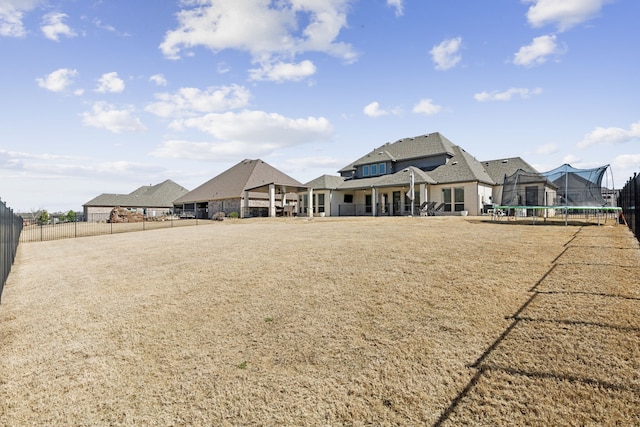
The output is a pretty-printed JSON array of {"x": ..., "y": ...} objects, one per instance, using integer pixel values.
[
  {"x": 208, "y": 151},
  {"x": 247, "y": 133},
  {"x": 571, "y": 159},
  {"x": 223, "y": 68},
  {"x": 610, "y": 136},
  {"x": 53, "y": 27},
  {"x": 546, "y": 149},
  {"x": 268, "y": 31},
  {"x": 445, "y": 55},
  {"x": 628, "y": 163},
  {"x": 58, "y": 80},
  {"x": 106, "y": 116},
  {"x": 11, "y": 15},
  {"x": 562, "y": 13},
  {"x": 507, "y": 94},
  {"x": 299, "y": 164},
  {"x": 110, "y": 82},
  {"x": 281, "y": 71},
  {"x": 373, "y": 110},
  {"x": 538, "y": 51},
  {"x": 158, "y": 79},
  {"x": 190, "y": 101},
  {"x": 258, "y": 128},
  {"x": 426, "y": 106},
  {"x": 397, "y": 4},
  {"x": 110, "y": 28}
]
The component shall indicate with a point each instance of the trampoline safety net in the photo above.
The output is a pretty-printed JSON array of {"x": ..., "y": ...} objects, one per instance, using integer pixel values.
[{"x": 563, "y": 186}]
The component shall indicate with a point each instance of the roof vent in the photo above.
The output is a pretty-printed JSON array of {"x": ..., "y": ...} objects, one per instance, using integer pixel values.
[
  {"x": 454, "y": 163},
  {"x": 505, "y": 161}
]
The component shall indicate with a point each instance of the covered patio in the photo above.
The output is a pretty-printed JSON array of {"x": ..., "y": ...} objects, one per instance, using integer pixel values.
[{"x": 278, "y": 193}]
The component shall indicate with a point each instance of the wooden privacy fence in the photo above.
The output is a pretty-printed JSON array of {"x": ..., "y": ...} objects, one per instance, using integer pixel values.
[
  {"x": 10, "y": 228},
  {"x": 628, "y": 201}
]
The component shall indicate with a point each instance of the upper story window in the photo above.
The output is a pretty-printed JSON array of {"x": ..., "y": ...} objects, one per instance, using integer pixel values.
[{"x": 374, "y": 169}]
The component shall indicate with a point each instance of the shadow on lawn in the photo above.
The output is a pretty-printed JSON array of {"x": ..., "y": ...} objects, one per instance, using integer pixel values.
[{"x": 483, "y": 367}]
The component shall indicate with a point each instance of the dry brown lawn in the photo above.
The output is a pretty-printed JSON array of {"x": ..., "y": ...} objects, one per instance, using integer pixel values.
[{"x": 350, "y": 321}]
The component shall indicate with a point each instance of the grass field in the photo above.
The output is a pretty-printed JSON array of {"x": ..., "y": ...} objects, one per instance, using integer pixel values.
[{"x": 347, "y": 321}]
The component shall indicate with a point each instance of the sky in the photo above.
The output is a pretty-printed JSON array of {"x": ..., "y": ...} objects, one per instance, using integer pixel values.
[{"x": 106, "y": 96}]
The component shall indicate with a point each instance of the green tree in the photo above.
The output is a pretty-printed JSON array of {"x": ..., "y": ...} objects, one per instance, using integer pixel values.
[
  {"x": 71, "y": 216},
  {"x": 43, "y": 217}
]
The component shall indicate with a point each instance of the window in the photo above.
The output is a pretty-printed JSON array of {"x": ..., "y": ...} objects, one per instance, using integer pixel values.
[
  {"x": 365, "y": 170},
  {"x": 446, "y": 199},
  {"x": 367, "y": 203},
  {"x": 348, "y": 198},
  {"x": 458, "y": 199},
  {"x": 408, "y": 202},
  {"x": 382, "y": 168},
  {"x": 374, "y": 170},
  {"x": 320, "y": 202}
]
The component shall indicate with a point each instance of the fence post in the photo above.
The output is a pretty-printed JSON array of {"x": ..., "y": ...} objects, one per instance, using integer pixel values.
[
  {"x": 634, "y": 203},
  {"x": 10, "y": 229}
]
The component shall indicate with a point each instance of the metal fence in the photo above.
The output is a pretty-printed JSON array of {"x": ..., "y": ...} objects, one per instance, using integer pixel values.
[
  {"x": 628, "y": 201},
  {"x": 10, "y": 229},
  {"x": 58, "y": 227}
]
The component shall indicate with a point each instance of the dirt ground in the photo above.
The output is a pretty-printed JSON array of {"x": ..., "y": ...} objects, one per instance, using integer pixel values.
[{"x": 326, "y": 321}]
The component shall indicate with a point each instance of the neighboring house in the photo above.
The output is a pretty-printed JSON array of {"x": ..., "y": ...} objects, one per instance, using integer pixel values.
[
  {"x": 250, "y": 188},
  {"x": 149, "y": 200},
  {"x": 444, "y": 176}
]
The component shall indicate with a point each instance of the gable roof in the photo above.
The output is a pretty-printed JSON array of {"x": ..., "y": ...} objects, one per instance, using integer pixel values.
[
  {"x": 400, "y": 178},
  {"x": 325, "y": 182},
  {"x": 232, "y": 183},
  {"x": 148, "y": 196},
  {"x": 433, "y": 144},
  {"x": 497, "y": 169},
  {"x": 462, "y": 167}
]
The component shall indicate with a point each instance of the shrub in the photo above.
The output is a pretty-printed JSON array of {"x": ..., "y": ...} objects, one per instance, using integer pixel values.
[
  {"x": 234, "y": 215},
  {"x": 218, "y": 216}
]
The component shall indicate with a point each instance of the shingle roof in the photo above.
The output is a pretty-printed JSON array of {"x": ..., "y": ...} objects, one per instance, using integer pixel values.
[
  {"x": 497, "y": 169},
  {"x": 149, "y": 196},
  {"x": 231, "y": 183},
  {"x": 432, "y": 144},
  {"x": 399, "y": 178},
  {"x": 460, "y": 168},
  {"x": 325, "y": 182}
]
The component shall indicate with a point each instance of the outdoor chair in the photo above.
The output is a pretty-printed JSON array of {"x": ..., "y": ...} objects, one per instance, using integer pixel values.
[{"x": 427, "y": 209}]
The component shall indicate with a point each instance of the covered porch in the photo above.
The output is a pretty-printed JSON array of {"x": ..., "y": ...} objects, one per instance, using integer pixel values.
[
  {"x": 399, "y": 194},
  {"x": 282, "y": 198}
]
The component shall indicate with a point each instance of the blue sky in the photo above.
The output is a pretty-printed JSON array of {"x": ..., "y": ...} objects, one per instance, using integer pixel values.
[{"x": 107, "y": 96}]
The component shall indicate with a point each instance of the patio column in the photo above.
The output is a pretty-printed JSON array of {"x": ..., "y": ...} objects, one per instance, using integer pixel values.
[
  {"x": 374, "y": 201},
  {"x": 310, "y": 207},
  {"x": 245, "y": 209},
  {"x": 272, "y": 200}
]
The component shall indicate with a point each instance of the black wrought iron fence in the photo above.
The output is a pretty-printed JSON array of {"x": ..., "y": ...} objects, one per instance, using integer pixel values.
[
  {"x": 628, "y": 201},
  {"x": 10, "y": 229},
  {"x": 60, "y": 227}
]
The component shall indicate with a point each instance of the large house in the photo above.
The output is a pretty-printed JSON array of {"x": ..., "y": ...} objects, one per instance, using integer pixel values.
[
  {"x": 250, "y": 188},
  {"x": 427, "y": 173},
  {"x": 149, "y": 200}
]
